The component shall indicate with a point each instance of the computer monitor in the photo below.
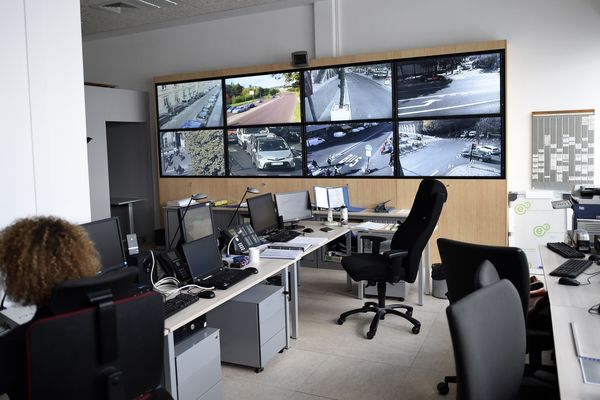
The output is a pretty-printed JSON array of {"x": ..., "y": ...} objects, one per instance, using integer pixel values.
[
  {"x": 197, "y": 222},
  {"x": 262, "y": 214},
  {"x": 293, "y": 207},
  {"x": 106, "y": 236},
  {"x": 202, "y": 256}
]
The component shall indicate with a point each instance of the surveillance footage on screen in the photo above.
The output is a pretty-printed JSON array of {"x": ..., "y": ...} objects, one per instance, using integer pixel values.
[
  {"x": 192, "y": 153},
  {"x": 350, "y": 149},
  {"x": 190, "y": 105},
  {"x": 265, "y": 151},
  {"x": 263, "y": 99},
  {"x": 465, "y": 147},
  {"x": 355, "y": 92}
]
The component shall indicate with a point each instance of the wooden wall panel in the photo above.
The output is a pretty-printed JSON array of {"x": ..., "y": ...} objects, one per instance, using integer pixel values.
[{"x": 476, "y": 210}]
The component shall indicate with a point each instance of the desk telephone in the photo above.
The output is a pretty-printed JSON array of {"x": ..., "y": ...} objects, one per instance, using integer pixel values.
[
  {"x": 174, "y": 265},
  {"x": 246, "y": 238}
]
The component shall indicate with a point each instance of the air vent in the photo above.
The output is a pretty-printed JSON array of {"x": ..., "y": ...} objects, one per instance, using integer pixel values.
[{"x": 117, "y": 7}]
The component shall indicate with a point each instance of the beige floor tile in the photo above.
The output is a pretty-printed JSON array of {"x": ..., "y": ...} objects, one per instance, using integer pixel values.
[{"x": 238, "y": 389}]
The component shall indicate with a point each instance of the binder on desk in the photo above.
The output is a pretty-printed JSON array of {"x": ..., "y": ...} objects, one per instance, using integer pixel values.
[{"x": 586, "y": 349}]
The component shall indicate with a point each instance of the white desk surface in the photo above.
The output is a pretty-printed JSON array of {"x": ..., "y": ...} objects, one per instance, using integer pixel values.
[
  {"x": 570, "y": 304},
  {"x": 266, "y": 268}
]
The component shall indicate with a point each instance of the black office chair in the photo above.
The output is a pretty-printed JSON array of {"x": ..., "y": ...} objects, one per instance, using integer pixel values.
[
  {"x": 401, "y": 263},
  {"x": 102, "y": 343},
  {"x": 461, "y": 261}
]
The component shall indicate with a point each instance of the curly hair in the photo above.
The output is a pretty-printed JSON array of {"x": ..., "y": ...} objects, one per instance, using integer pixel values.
[{"x": 38, "y": 253}]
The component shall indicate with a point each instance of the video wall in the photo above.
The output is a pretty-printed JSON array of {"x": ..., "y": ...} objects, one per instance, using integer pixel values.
[{"x": 440, "y": 116}]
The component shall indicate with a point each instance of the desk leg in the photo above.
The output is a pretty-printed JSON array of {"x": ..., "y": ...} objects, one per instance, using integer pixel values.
[
  {"x": 294, "y": 301},
  {"x": 130, "y": 211},
  {"x": 286, "y": 308},
  {"x": 170, "y": 372}
]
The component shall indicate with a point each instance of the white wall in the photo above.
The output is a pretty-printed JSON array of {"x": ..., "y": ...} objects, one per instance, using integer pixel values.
[
  {"x": 553, "y": 54},
  {"x": 43, "y": 159},
  {"x": 107, "y": 105}
]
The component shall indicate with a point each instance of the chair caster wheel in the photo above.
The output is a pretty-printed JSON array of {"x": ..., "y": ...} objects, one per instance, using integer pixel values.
[
  {"x": 370, "y": 335},
  {"x": 416, "y": 329},
  {"x": 340, "y": 321},
  {"x": 443, "y": 388}
]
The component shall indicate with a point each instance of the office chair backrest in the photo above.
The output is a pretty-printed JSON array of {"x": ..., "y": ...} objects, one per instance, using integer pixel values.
[
  {"x": 106, "y": 350},
  {"x": 485, "y": 275},
  {"x": 488, "y": 338},
  {"x": 412, "y": 235},
  {"x": 461, "y": 261}
]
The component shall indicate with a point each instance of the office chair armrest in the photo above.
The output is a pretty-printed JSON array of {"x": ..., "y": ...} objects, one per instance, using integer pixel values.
[{"x": 391, "y": 254}]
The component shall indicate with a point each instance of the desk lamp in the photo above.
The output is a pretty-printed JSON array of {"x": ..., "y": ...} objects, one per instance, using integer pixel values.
[
  {"x": 196, "y": 196},
  {"x": 249, "y": 189}
]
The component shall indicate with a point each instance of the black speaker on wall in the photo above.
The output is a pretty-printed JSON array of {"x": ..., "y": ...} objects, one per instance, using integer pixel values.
[{"x": 300, "y": 59}]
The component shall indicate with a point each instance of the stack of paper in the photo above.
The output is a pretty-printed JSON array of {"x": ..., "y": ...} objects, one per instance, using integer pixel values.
[
  {"x": 588, "y": 351},
  {"x": 281, "y": 253}
]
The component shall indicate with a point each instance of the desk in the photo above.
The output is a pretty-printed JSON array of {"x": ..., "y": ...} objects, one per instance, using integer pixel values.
[
  {"x": 126, "y": 201},
  {"x": 266, "y": 269},
  {"x": 570, "y": 304}
]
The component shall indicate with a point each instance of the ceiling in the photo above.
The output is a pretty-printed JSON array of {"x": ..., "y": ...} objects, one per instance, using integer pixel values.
[{"x": 104, "y": 16}]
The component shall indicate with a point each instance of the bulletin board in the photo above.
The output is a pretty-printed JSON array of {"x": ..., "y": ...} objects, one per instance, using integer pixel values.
[{"x": 562, "y": 149}]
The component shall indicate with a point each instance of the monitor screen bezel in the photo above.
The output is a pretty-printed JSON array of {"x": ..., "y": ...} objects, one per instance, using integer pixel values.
[
  {"x": 182, "y": 218},
  {"x": 267, "y": 228},
  {"x": 107, "y": 221},
  {"x": 188, "y": 245},
  {"x": 293, "y": 220}
]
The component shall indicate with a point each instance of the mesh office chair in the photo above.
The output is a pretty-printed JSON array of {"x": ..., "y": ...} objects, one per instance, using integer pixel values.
[
  {"x": 101, "y": 342},
  {"x": 402, "y": 262},
  {"x": 462, "y": 260}
]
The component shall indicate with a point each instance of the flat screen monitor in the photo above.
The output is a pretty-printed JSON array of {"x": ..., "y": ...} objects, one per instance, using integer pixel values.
[
  {"x": 263, "y": 99},
  {"x": 293, "y": 207},
  {"x": 192, "y": 153},
  {"x": 265, "y": 151},
  {"x": 106, "y": 236},
  {"x": 362, "y": 149},
  {"x": 202, "y": 256},
  {"x": 197, "y": 222},
  {"x": 353, "y": 92},
  {"x": 453, "y": 147},
  {"x": 194, "y": 104},
  {"x": 262, "y": 214}
]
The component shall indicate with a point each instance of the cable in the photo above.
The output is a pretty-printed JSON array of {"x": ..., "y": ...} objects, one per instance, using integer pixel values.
[
  {"x": 590, "y": 276},
  {"x": 2, "y": 302},
  {"x": 595, "y": 309}
]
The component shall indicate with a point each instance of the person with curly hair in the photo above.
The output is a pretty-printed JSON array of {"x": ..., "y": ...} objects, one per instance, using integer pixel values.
[{"x": 37, "y": 254}]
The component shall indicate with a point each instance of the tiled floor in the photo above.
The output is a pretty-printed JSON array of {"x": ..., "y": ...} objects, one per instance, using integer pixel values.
[{"x": 329, "y": 361}]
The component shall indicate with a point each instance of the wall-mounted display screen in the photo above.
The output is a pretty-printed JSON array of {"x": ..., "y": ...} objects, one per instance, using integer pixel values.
[
  {"x": 192, "y": 153},
  {"x": 190, "y": 105},
  {"x": 262, "y": 151},
  {"x": 449, "y": 85},
  {"x": 350, "y": 149},
  {"x": 416, "y": 117},
  {"x": 353, "y": 92},
  {"x": 459, "y": 147},
  {"x": 263, "y": 99}
]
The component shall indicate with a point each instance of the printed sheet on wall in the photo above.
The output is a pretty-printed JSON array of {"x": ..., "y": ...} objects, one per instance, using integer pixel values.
[{"x": 562, "y": 149}]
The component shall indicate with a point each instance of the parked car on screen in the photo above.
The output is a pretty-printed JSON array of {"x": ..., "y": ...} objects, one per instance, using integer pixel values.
[
  {"x": 477, "y": 154},
  {"x": 244, "y": 135},
  {"x": 272, "y": 152},
  {"x": 493, "y": 150},
  {"x": 314, "y": 141},
  {"x": 339, "y": 134},
  {"x": 432, "y": 78}
]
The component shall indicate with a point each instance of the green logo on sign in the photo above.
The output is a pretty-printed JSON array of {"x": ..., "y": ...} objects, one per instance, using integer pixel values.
[
  {"x": 541, "y": 230},
  {"x": 521, "y": 209}
]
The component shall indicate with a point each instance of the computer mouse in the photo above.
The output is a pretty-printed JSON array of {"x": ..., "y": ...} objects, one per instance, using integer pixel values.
[
  {"x": 594, "y": 257},
  {"x": 252, "y": 269},
  {"x": 326, "y": 229},
  {"x": 568, "y": 281},
  {"x": 206, "y": 294},
  {"x": 307, "y": 230}
]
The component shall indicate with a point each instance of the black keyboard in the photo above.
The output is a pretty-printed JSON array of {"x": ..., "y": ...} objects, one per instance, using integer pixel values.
[
  {"x": 178, "y": 303},
  {"x": 283, "y": 236},
  {"x": 225, "y": 278},
  {"x": 571, "y": 268},
  {"x": 564, "y": 250}
]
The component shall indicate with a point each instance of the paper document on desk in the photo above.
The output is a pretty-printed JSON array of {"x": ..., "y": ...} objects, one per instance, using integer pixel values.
[
  {"x": 281, "y": 253},
  {"x": 302, "y": 240},
  {"x": 375, "y": 226},
  {"x": 588, "y": 352}
]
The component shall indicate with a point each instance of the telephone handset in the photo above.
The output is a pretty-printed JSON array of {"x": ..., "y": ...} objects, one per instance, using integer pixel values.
[
  {"x": 174, "y": 265},
  {"x": 246, "y": 238}
]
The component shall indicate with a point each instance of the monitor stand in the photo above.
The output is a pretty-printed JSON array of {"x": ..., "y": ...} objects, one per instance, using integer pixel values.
[{"x": 294, "y": 226}]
